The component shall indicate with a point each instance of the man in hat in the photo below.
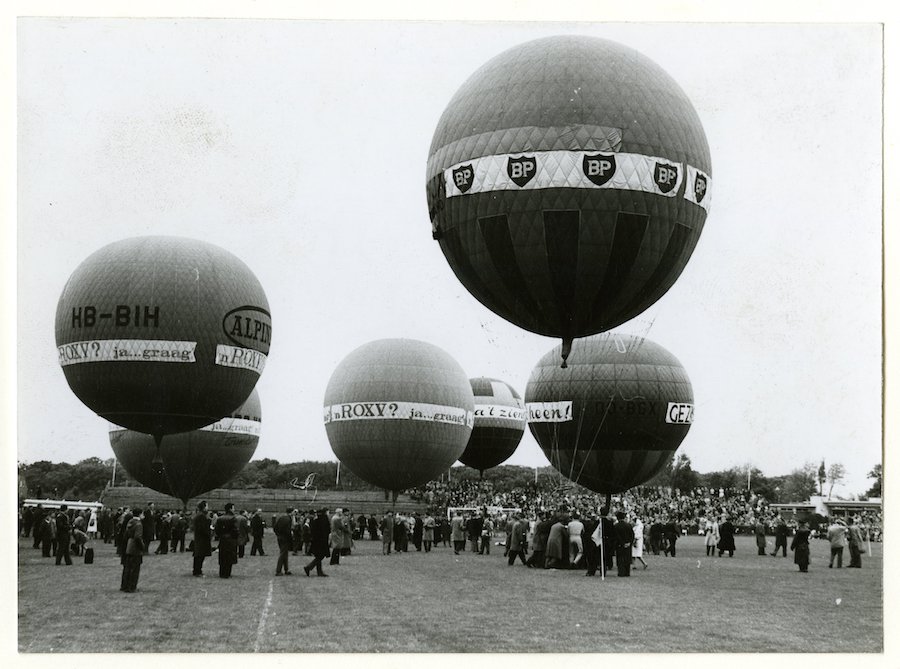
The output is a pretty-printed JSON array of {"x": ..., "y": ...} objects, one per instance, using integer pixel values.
[
  {"x": 202, "y": 538},
  {"x": 320, "y": 529},
  {"x": 623, "y": 532},
  {"x": 257, "y": 528},
  {"x": 226, "y": 531}
]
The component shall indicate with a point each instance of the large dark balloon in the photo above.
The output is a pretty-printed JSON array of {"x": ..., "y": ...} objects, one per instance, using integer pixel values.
[
  {"x": 568, "y": 184},
  {"x": 162, "y": 334},
  {"x": 615, "y": 416},
  {"x": 398, "y": 412},
  {"x": 196, "y": 461},
  {"x": 499, "y": 424}
]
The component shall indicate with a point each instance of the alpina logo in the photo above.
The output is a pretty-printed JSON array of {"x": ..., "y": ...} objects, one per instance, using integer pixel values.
[{"x": 250, "y": 327}]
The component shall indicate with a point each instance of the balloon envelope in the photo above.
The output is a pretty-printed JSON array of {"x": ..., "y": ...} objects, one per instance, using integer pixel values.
[
  {"x": 612, "y": 419},
  {"x": 162, "y": 334},
  {"x": 499, "y": 424},
  {"x": 194, "y": 462},
  {"x": 398, "y": 412},
  {"x": 568, "y": 182}
]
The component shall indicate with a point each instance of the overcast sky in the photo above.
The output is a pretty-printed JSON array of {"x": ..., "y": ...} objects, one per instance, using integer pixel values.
[{"x": 301, "y": 148}]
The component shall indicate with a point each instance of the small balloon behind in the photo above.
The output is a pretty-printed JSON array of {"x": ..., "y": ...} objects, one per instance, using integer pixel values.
[
  {"x": 499, "y": 424},
  {"x": 568, "y": 182},
  {"x": 162, "y": 334},
  {"x": 613, "y": 418},
  {"x": 398, "y": 412},
  {"x": 193, "y": 462}
]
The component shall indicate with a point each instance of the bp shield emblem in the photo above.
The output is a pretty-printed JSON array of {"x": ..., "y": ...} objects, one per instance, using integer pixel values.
[
  {"x": 666, "y": 176},
  {"x": 521, "y": 170},
  {"x": 599, "y": 168},
  {"x": 699, "y": 188},
  {"x": 463, "y": 177}
]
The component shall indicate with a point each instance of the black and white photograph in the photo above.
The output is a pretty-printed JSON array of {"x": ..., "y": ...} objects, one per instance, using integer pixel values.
[{"x": 375, "y": 335}]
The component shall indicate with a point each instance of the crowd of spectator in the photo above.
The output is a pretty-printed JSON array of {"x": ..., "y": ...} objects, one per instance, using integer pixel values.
[{"x": 689, "y": 509}]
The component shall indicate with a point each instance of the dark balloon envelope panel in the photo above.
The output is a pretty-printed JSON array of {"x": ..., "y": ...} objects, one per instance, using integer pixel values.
[
  {"x": 612, "y": 419},
  {"x": 398, "y": 412},
  {"x": 162, "y": 334},
  {"x": 568, "y": 184},
  {"x": 193, "y": 462},
  {"x": 499, "y": 424}
]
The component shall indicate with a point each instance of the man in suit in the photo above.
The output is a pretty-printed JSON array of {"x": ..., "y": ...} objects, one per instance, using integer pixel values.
[
  {"x": 591, "y": 550},
  {"x": 282, "y": 528},
  {"x": 243, "y": 528},
  {"x": 855, "y": 541},
  {"x": 257, "y": 528},
  {"x": 781, "y": 535},
  {"x": 624, "y": 536},
  {"x": 202, "y": 538},
  {"x": 132, "y": 554},
  {"x": 226, "y": 531},
  {"x": 320, "y": 529},
  {"x": 63, "y": 530}
]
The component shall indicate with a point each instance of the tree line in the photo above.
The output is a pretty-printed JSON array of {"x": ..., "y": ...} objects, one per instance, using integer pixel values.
[{"x": 86, "y": 480}]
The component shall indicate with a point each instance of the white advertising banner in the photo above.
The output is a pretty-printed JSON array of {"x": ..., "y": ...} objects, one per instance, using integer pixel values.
[
  {"x": 498, "y": 413},
  {"x": 229, "y": 425},
  {"x": 549, "y": 412},
  {"x": 242, "y": 358},
  {"x": 435, "y": 413},
  {"x": 126, "y": 350},
  {"x": 569, "y": 169}
]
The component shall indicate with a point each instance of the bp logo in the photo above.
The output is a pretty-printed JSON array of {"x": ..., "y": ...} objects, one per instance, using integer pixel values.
[
  {"x": 599, "y": 168},
  {"x": 666, "y": 176},
  {"x": 699, "y": 188},
  {"x": 521, "y": 170},
  {"x": 463, "y": 176}
]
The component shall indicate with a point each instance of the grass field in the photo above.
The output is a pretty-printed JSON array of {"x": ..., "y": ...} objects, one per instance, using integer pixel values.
[{"x": 439, "y": 602}]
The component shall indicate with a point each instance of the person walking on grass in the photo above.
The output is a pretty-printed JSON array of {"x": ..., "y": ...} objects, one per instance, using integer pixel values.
[
  {"x": 257, "y": 528},
  {"x": 781, "y": 534},
  {"x": 800, "y": 546},
  {"x": 726, "y": 537},
  {"x": 320, "y": 530},
  {"x": 518, "y": 541},
  {"x": 457, "y": 532},
  {"x": 711, "y": 533}
]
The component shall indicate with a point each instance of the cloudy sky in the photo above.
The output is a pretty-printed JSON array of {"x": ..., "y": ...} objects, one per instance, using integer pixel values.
[{"x": 301, "y": 147}]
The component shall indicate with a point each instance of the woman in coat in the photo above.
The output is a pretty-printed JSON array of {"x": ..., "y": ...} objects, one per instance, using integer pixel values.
[
  {"x": 712, "y": 536},
  {"x": 726, "y": 537},
  {"x": 637, "y": 546},
  {"x": 557, "y": 545},
  {"x": 320, "y": 530},
  {"x": 800, "y": 547}
]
